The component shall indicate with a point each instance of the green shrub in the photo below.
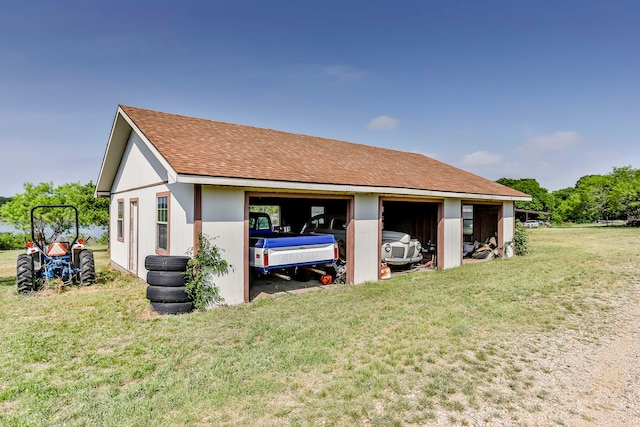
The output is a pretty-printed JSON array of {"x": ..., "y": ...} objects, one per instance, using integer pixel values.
[
  {"x": 521, "y": 241},
  {"x": 11, "y": 241},
  {"x": 205, "y": 263}
]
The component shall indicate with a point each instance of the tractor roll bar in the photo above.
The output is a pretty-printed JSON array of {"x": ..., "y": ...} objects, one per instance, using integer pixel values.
[{"x": 33, "y": 237}]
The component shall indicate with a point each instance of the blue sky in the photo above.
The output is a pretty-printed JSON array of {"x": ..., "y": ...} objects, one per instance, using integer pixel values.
[{"x": 520, "y": 89}]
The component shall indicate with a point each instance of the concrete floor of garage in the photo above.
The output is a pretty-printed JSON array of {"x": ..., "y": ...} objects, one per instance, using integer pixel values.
[{"x": 271, "y": 286}]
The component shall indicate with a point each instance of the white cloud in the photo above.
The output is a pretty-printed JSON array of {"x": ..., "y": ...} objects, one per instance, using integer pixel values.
[
  {"x": 344, "y": 72},
  {"x": 551, "y": 142},
  {"x": 383, "y": 123},
  {"x": 481, "y": 158}
]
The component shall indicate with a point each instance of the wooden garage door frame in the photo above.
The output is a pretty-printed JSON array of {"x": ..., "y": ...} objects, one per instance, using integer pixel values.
[
  {"x": 439, "y": 221},
  {"x": 290, "y": 195},
  {"x": 500, "y": 224}
]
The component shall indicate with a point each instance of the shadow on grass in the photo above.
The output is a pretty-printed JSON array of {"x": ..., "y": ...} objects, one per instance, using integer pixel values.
[{"x": 8, "y": 281}]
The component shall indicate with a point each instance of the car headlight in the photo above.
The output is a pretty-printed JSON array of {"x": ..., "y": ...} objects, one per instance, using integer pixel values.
[
  {"x": 418, "y": 247},
  {"x": 387, "y": 247}
]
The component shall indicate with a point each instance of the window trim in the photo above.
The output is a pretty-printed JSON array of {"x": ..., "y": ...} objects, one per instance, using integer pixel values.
[
  {"x": 120, "y": 220},
  {"x": 158, "y": 250}
]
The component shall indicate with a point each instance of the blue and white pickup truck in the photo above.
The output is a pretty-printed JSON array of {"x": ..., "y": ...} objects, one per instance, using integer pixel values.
[{"x": 286, "y": 254}]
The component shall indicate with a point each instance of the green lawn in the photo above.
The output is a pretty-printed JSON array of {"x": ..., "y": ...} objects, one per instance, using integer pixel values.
[{"x": 387, "y": 353}]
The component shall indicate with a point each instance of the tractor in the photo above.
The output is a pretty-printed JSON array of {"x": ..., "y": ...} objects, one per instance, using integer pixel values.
[{"x": 67, "y": 261}]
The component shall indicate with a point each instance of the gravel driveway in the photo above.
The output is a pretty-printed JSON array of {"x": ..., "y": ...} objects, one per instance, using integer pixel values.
[{"x": 584, "y": 375}]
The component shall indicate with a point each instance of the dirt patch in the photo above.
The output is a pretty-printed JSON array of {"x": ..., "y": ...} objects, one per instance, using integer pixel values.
[{"x": 584, "y": 375}]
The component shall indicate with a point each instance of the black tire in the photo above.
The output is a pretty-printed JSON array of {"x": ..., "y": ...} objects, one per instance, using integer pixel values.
[
  {"x": 333, "y": 272},
  {"x": 303, "y": 274},
  {"x": 87, "y": 267},
  {"x": 24, "y": 274},
  {"x": 172, "y": 307},
  {"x": 166, "y": 278},
  {"x": 165, "y": 294},
  {"x": 166, "y": 262}
]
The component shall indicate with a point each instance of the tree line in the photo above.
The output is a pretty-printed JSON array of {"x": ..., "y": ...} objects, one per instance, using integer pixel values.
[
  {"x": 614, "y": 196},
  {"x": 16, "y": 211}
]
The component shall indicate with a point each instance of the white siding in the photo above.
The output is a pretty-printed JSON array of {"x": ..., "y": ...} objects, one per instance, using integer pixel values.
[
  {"x": 141, "y": 176},
  {"x": 118, "y": 249},
  {"x": 223, "y": 220},
  {"x": 367, "y": 242},
  {"x": 452, "y": 233},
  {"x": 180, "y": 223},
  {"x": 181, "y": 237},
  {"x": 139, "y": 167},
  {"x": 508, "y": 227}
]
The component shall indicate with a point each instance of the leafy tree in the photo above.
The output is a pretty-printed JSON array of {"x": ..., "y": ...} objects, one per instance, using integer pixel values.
[
  {"x": 91, "y": 210},
  {"x": 52, "y": 223},
  {"x": 595, "y": 197},
  {"x": 624, "y": 197},
  {"x": 4, "y": 200},
  {"x": 541, "y": 201}
]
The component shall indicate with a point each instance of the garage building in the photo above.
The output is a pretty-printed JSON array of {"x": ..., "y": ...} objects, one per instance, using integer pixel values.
[{"x": 171, "y": 177}]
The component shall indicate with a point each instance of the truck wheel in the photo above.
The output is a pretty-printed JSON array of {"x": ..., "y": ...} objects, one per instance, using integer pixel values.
[
  {"x": 166, "y": 262},
  {"x": 87, "y": 267},
  {"x": 167, "y": 294},
  {"x": 172, "y": 307},
  {"x": 166, "y": 278},
  {"x": 24, "y": 273},
  {"x": 303, "y": 274}
]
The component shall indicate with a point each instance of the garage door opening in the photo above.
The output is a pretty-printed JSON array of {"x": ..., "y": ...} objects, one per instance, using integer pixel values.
[
  {"x": 479, "y": 228},
  {"x": 290, "y": 216},
  {"x": 416, "y": 218}
]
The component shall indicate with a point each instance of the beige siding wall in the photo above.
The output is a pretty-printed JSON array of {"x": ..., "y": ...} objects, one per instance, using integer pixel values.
[
  {"x": 140, "y": 178},
  {"x": 223, "y": 220},
  {"x": 367, "y": 243},
  {"x": 508, "y": 227},
  {"x": 452, "y": 233},
  {"x": 138, "y": 168}
]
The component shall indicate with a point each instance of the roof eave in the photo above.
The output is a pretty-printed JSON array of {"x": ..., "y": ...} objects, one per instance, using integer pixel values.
[
  {"x": 121, "y": 130},
  {"x": 117, "y": 143},
  {"x": 338, "y": 188}
]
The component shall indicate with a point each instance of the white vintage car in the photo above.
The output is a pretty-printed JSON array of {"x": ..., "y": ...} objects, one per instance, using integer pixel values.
[{"x": 397, "y": 249}]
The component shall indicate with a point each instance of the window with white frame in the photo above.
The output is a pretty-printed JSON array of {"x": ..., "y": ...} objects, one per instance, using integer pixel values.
[
  {"x": 162, "y": 223},
  {"x": 120, "y": 220}
]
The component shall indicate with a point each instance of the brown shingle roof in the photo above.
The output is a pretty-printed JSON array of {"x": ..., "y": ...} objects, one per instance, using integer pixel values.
[{"x": 194, "y": 146}]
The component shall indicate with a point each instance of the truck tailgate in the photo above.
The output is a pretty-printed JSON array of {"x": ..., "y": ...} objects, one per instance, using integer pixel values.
[{"x": 282, "y": 252}]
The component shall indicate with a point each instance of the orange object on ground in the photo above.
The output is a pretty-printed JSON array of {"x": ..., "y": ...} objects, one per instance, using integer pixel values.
[{"x": 326, "y": 280}]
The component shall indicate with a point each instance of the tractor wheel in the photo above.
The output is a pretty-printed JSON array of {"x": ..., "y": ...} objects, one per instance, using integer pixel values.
[
  {"x": 87, "y": 267},
  {"x": 24, "y": 270}
]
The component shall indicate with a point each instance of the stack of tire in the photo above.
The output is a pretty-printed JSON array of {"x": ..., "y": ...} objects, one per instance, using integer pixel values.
[{"x": 166, "y": 278}]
